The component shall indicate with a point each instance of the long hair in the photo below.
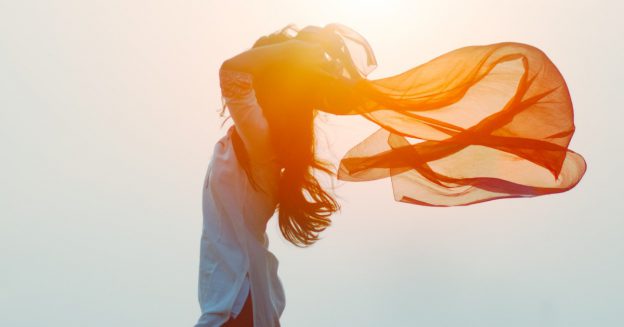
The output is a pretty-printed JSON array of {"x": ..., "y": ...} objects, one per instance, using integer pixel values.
[{"x": 304, "y": 206}]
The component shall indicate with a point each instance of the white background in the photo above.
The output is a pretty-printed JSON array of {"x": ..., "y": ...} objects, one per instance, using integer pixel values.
[{"x": 108, "y": 116}]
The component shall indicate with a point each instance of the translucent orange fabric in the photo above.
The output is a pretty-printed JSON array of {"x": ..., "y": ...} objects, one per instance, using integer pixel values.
[{"x": 474, "y": 124}]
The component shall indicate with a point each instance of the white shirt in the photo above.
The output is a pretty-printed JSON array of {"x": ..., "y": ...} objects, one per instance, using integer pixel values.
[{"x": 234, "y": 242}]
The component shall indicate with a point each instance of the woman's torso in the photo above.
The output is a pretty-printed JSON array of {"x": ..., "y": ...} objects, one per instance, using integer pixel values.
[{"x": 235, "y": 215}]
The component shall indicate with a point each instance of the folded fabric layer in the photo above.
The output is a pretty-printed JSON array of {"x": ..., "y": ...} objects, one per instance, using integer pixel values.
[{"x": 474, "y": 124}]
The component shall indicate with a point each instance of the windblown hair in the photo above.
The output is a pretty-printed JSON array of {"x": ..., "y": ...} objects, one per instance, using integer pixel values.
[{"x": 304, "y": 206}]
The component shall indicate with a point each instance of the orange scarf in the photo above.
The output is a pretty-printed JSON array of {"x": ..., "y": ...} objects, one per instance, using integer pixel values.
[{"x": 474, "y": 124}]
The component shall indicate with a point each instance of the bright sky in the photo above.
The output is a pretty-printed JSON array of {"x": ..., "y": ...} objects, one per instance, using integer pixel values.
[{"x": 108, "y": 113}]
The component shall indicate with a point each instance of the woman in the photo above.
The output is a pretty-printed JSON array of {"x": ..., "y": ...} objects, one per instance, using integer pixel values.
[
  {"x": 489, "y": 122},
  {"x": 259, "y": 165}
]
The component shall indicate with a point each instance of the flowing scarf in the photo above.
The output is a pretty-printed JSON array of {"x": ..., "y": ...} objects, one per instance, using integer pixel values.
[{"x": 475, "y": 124}]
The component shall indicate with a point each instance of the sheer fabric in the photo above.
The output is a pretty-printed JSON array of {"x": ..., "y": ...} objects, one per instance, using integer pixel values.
[{"x": 477, "y": 123}]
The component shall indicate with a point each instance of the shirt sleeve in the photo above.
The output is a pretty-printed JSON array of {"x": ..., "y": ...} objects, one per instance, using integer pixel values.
[{"x": 250, "y": 123}]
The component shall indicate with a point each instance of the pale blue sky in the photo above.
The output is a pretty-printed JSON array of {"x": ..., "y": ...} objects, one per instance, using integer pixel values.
[{"x": 108, "y": 114}]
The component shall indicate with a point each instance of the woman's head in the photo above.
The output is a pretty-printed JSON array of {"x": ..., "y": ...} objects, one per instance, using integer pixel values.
[{"x": 289, "y": 103}]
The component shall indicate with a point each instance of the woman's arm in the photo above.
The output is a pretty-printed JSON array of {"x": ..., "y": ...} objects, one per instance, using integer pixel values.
[
  {"x": 237, "y": 90},
  {"x": 237, "y": 76},
  {"x": 256, "y": 60}
]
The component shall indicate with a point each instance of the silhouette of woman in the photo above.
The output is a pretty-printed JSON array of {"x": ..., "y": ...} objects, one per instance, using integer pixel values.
[{"x": 475, "y": 124}]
